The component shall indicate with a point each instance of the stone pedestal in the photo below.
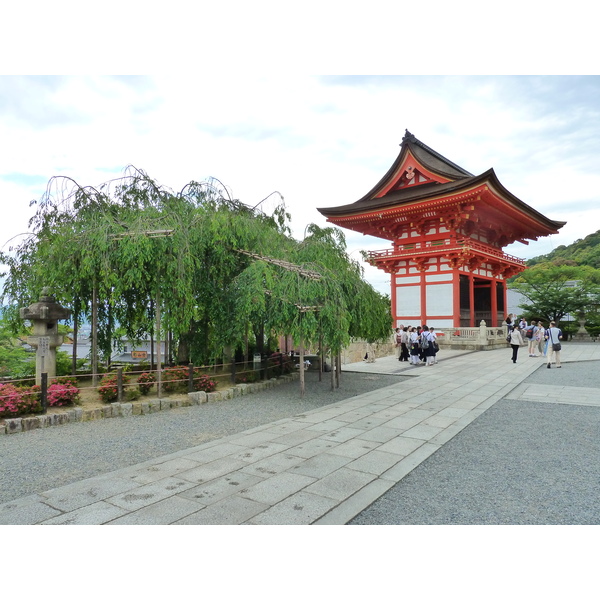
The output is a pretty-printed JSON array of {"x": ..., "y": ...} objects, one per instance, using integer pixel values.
[
  {"x": 582, "y": 335},
  {"x": 44, "y": 315}
]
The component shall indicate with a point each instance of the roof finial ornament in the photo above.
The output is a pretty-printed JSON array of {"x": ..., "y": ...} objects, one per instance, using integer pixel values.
[{"x": 408, "y": 136}]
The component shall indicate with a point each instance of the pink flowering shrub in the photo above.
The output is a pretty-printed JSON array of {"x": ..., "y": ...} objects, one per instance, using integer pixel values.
[
  {"x": 175, "y": 379},
  {"x": 247, "y": 377},
  {"x": 145, "y": 382},
  {"x": 108, "y": 389},
  {"x": 16, "y": 401},
  {"x": 61, "y": 394},
  {"x": 72, "y": 381},
  {"x": 204, "y": 383}
]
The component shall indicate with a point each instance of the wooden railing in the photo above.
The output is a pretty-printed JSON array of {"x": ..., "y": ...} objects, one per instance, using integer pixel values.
[{"x": 433, "y": 246}]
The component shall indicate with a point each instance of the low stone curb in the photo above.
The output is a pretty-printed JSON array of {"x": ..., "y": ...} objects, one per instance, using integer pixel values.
[{"x": 116, "y": 409}]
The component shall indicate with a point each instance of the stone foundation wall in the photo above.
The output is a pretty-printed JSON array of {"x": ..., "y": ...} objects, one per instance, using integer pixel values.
[
  {"x": 116, "y": 409},
  {"x": 356, "y": 351}
]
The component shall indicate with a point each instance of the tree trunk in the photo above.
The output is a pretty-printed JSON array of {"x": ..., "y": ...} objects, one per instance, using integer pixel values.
[
  {"x": 95, "y": 336},
  {"x": 301, "y": 364},
  {"x": 75, "y": 332},
  {"x": 332, "y": 371}
]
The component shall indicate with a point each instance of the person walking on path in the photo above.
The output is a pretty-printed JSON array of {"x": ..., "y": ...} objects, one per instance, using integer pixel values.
[
  {"x": 397, "y": 341},
  {"x": 530, "y": 332},
  {"x": 427, "y": 344},
  {"x": 436, "y": 346},
  {"x": 404, "y": 343},
  {"x": 516, "y": 341},
  {"x": 553, "y": 335},
  {"x": 539, "y": 336},
  {"x": 415, "y": 349}
]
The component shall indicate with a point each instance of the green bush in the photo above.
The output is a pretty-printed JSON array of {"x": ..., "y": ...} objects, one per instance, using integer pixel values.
[{"x": 131, "y": 394}]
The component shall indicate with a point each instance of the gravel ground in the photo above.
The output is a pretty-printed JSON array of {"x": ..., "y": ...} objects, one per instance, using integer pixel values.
[
  {"x": 518, "y": 463},
  {"x": 43, "y": 459}
]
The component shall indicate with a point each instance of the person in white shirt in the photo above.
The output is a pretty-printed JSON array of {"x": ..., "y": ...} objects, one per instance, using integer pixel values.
[
  {"x": 404, "y": 343},
  {"x": 516, "y": 341},
  {"x": 414, "y": 347},
  {"x": 539, "y": 336},
  {"x": 429, "y": 351},
  {"x": 532, "y": 340},
  {"x": 553, "y": 335}
]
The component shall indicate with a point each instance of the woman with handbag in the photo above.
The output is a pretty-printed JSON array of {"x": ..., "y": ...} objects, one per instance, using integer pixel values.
[
  {"x": 516, "y": 341},
  {"x": 553, "y": 335}
]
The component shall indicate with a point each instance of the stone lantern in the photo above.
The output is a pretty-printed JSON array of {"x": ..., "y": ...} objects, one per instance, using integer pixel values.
[{"x": 44, "y": 315}]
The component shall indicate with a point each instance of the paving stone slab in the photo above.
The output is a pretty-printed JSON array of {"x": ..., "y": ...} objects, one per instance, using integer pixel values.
[
  {"x": 150, "y": 493},
  {"x": 302, "y": 508},
  {"x": 410, "y": 462},
  {"x": 379, "y": 434},
  {"x": 402, "y": 446},
  {"x": 312, "y": 447},
  {"x": 81, "y": 493},
  {"x": 272, "y": 465},
  {"x": 233, "y": 510},
  {"x": 92, "y": 514},
  {"x": 353, "y": 448},
  {"x": 320, "y": 465},
  {"x": 327, "y": 425},
  {"x": 423, "y": 432},
  {"x": 294, "y": 438},
  {"x": 163, "y": 512},
  {"x": 28, "y": 510},
  {"x": 341, "y": 484},
  {"x": 218, "y": 489},
  {"x": 213, "y": 451},
  {"x": 212, "y": 470},
  {"x": 374, "y": 462},
  {"x": 256, "y": 453},
  {"x": 162, "y": 470},
  {"x": 254, "y": 439},
  {"x": 349, "y": 508},
  {"x": 277, "y": 488},
  {"x": 342, "y": 435}
]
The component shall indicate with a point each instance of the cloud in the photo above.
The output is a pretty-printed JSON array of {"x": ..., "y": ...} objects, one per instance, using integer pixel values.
[
  {"x": 35, "y": 102},
  {"x": 319, "y": 140}
]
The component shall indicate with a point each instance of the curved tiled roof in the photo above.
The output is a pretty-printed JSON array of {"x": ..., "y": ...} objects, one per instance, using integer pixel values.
[{"x": 460, "y": 179}]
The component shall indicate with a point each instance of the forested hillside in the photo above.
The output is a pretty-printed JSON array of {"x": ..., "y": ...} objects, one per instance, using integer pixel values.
[{"x": 582, "y": 252}]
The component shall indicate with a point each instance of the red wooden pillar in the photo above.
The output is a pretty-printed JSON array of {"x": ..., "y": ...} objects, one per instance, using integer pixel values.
[
  {"x": 423, "y": 299},
  {"x": 494, "y": 303},
  {"x": 394, "y": 307},
  {"x": 456, "y": 297},
  {"x": 471, "y": 300}
]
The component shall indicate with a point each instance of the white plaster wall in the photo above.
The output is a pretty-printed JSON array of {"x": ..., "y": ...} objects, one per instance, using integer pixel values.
[
  {"x": 439, "y": 299},
  {"x": 408, "y": 301},
  {"x": 411, "y": 280},
  {"x": 444, "y": 277}
]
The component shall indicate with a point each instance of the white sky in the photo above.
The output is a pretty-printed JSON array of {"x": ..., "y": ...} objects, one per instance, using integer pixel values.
[{"x": 319, "y": 140}]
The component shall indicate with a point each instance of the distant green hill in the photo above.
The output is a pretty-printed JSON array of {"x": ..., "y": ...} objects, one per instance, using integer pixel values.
[{"x": 579, "y": 253}]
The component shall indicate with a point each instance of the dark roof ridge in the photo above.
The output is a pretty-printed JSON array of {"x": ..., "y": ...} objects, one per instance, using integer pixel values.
[{"x": 409, "y": 138}]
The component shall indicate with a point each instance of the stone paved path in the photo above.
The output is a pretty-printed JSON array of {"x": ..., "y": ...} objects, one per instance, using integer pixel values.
[{"x": 320, "y": 467}]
